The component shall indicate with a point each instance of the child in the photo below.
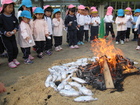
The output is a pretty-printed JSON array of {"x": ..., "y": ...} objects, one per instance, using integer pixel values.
[
  {"x": 128, "y": 15},
  {"x": 81, "y": 22},
  {"x": 71, "y": 23},
  {"x": 121, "y": 22},
  {"x": 8, "y": 29},
  {"x": 40, "y": 30},
  {"x": 25, "y": 38},
  {"x": 137, "y": 27},
  {"x": 108, "y": 19},
  {"x": 48, "y": 13},
  {"x": 87, "y": 22},
  {"x": 95, "y": 22},
  {"x": 136, "y": 15},
  {"x": 57, "y": 29}
]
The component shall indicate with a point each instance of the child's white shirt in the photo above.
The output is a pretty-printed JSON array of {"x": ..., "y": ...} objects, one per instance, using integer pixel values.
[
  {"x": 94, "y": 20},
  {"x": 120, "y": 20},
  {"x": 49, "y": 23},
  {"x": 87, "y": 22},
  {"x": 138, "y": 22},
  {"x": 24, "y": 32},
  {"x": 108, "y": 19},
  {"x": 129, "y": 22},
  {"x": 80, "y": 19},
  {"x": 58, "y": 27}
]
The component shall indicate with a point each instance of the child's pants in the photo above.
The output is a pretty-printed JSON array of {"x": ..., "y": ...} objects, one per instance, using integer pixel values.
[
  {"x": 120, "y": 35},
  {"x": 127, "y": 33},
  {"x": 135, "y": 34},
  {"x": 80, "y": 33},
  {"x": 109, "y": 28},
  {"x": 1, "y": 46},
  {"x": 94, "y": 32},
  {"x": 10, "y": 45},
  {"x": 40, "y": 46},
  {"x": 139, "y": 34},
  {"x": 48, "y": 43},
  {"x": 58, "y": 41},
  {"x": 26, "y": 52},
  {"x": 72, "y": 37},
  {"x": 86, "y": 35}
]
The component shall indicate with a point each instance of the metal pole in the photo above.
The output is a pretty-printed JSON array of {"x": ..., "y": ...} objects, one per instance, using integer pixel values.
[{"x": 42, "y": 3}]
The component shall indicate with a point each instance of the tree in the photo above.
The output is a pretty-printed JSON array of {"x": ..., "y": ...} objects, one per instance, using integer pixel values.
[{"x": 92, "y": 2}]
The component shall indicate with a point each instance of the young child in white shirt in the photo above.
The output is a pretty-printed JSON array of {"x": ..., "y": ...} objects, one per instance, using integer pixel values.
[
  {"x": 87, "y": 23},
  {"x": 58, "y": 26},
  {"x": 121, "y": 22},
  {"x": 95, "y": 22}
]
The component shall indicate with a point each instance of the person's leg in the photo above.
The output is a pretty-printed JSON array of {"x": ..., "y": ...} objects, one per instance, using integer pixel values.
[
  {"x": 127, "y": 34},
  {"x": 86, "y": 35},
  {"x": 38, "y": 45},
  {"x": 107, "y": 30},
  {"x": 15, "y": 48},
  {"x": 1, "y": 46},
  {"x": 70, "y": 37},
  {"x": 112, "y": 31},
  {"x": 118, "y": 36},
  {"x": 92, "y": 33},
  {"x": 81, "y": 33}
]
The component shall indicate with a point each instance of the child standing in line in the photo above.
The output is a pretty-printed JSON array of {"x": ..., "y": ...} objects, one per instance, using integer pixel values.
[
  {"x": 108, "y": 19},
  {"x": 71, "y": 23},
  {"x": 121, "y": 22},
  {"x": 8, "y": 29},
  {"x": 25, "y": 38},
  {"x": 58, "y": 26},
  {"x": 128, "y": 15},
  {"x": 87, "y": 22},
  {"x": 137, "y": 28},
  {"x": 40, "y": 31},
  {"x": 81, "y": 22},
  {"x": 95, "y": 22},
  {"x": 49, "y": 43},
  {"x": 136, "y": 15}
]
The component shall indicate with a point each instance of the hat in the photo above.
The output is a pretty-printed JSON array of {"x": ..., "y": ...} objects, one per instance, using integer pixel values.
[
  {"x": 81, "y": 7},
  {"x": 94, "y": 10},
  {"x": 71, "y": 6},
  {"x": 120, "y": 12},
  {"x": 137, "y": 10},
  {"x": 33, "y": 9},
  {"x": 26, "y": 3},
  {"x": 46, "y": 6},
  {"x": 128, "y": 9},
  {"x": 39, "y": 10},
  {"x": 56, "y": 10},
  {"x": 26, "y": 14},
  {"x": 7, "y": 2},
  {"x": 109, "y": 10}
]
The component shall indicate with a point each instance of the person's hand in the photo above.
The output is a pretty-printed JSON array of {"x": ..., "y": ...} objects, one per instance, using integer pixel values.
[
  {"x": 46, "y": 35},
  {"x": 2, "y": 88},
  {"x": 91, "y": 23},
  {"x": 8, "y": 34},
  {"x": 96, "y": 22},
  {"x": 15, "y": 31},
  {"x": 27, "y": 38},
  {"x": 139, "y": 36},
  {"x": 58, "y": 19},
  {"x": 78, "y": 26}
]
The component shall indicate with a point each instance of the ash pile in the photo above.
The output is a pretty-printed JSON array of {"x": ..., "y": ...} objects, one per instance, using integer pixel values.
[{"x": 117, "y": 68}]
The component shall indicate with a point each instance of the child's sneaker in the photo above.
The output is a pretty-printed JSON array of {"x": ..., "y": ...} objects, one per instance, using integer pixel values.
[
  {"x": 117, "y": 42},
  {"x": 16, "y": 62},
  {"x": 57, "y": 49},
  {"x": 48, "y": 52},
  {"x": 82, "y": 43},
  {"x": 12, "y": 65},
  {"x": 76, "y": 46},
  {"x": 122, "y": 42},
  {"x": 79, "y": 43},
  {"x": 138, "y": 48},
  {"x": 60, "y": 48},
  {"x": 72, "y": 47},
  {"x": 31, "y": 57},
  {"x": 28, "y": 61},
  {"x": 40, "y": 55}
]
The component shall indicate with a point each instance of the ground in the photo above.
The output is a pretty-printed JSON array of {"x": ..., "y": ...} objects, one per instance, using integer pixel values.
[{"x": 25, "y": 84}]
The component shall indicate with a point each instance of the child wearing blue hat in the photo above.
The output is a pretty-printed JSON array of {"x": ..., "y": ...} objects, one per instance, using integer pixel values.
[
  {"x": 40, "y": 30},
  {"x": 136, "y": 15},
  {"x": 25, "y": 38},
  {"x": 58, "y": 26},
  {"x": 121, "y": 21}
]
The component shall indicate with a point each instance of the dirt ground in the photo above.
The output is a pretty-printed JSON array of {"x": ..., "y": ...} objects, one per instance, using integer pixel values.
[{"x": 25, "y": 84}]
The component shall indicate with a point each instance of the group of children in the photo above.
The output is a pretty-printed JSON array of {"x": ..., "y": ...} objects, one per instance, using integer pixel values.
[{"x": 37, "y": 28}]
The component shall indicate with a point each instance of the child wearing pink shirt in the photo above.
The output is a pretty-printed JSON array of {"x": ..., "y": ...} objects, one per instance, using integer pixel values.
[
  {"x": 40, "y": 31},
  {"x": 58, "y": 26},
  {"x": 25, "y": 38}
]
